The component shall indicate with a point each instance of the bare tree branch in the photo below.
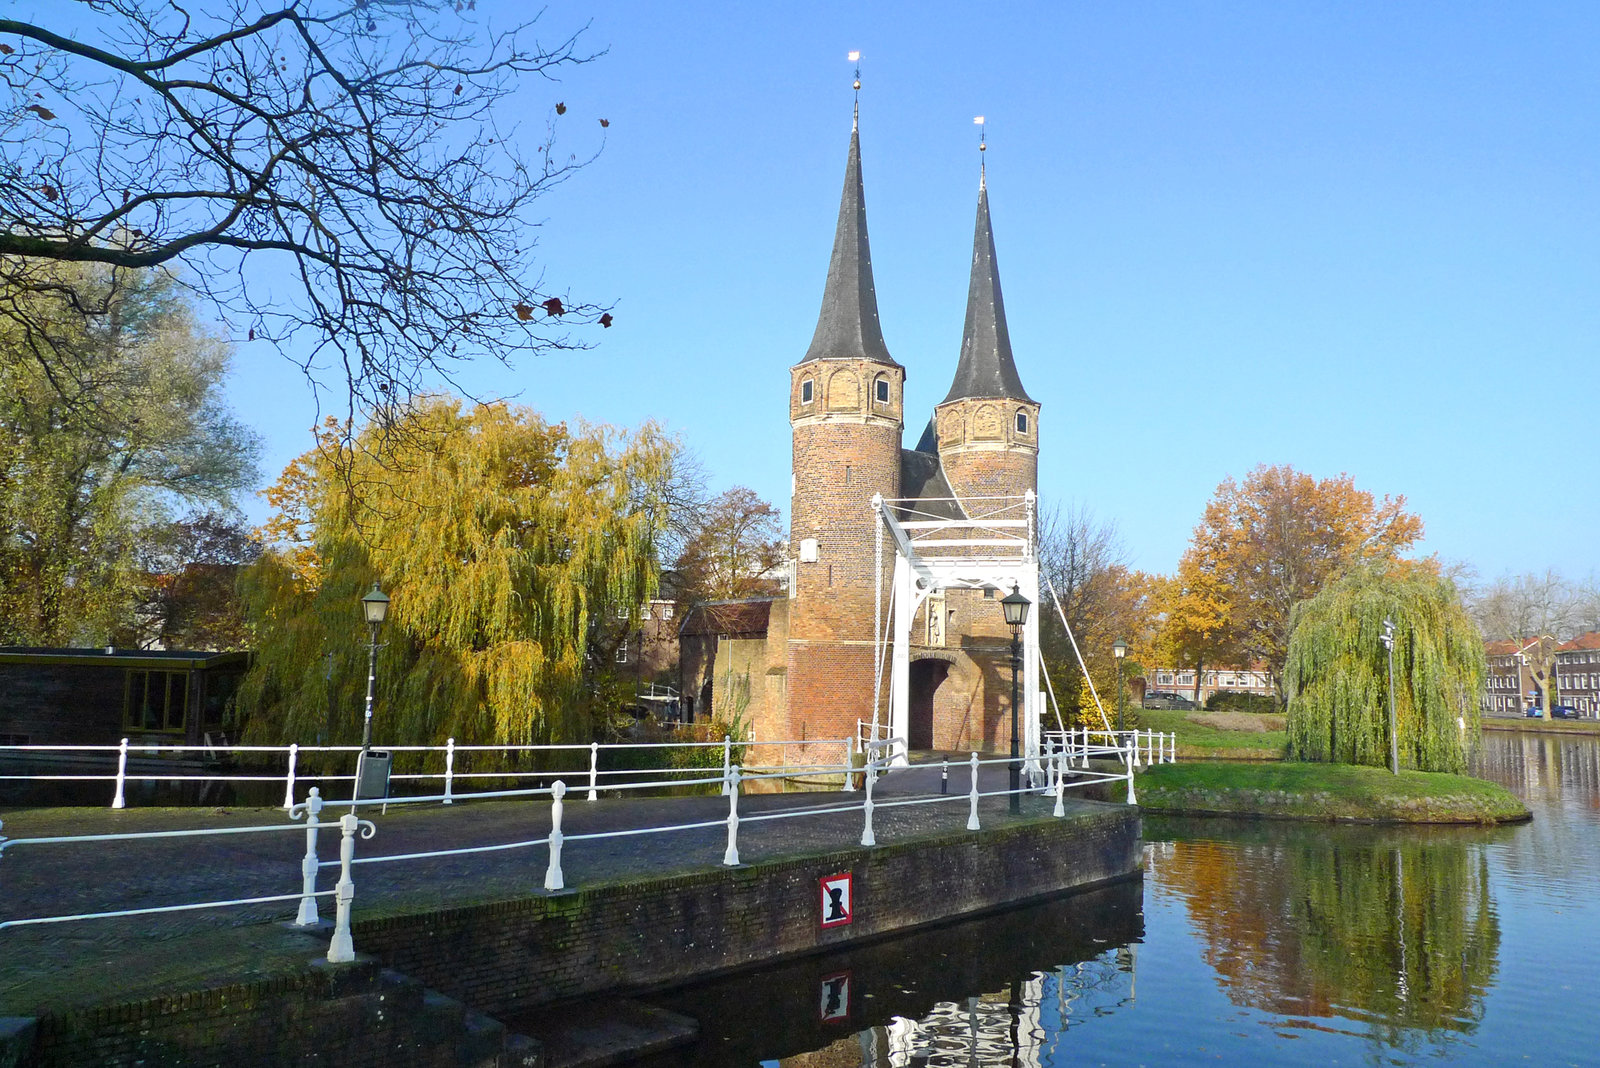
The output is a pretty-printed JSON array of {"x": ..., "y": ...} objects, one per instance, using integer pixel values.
[{"x": 353, "y": 147}]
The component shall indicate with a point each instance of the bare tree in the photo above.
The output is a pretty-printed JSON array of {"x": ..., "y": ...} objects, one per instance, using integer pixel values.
[
  {"x": 332, "y": 173},
  {"x": 1520, "y": 607}
]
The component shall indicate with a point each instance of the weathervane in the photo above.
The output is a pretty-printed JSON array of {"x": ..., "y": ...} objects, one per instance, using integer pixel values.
[
  {"x": 982, "y": 144},
  {"x": 855, "y": 57}
]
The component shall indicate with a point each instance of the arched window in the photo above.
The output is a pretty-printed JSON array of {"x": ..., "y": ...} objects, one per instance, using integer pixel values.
[
  {"x": 1022, "y": 422},
  {"x": 805, "y": 391},
  {"x": 881, "y": 389}
]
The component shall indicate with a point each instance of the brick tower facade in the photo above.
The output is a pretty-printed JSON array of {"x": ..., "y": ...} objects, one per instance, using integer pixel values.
[{"x": 845, "y": 415}]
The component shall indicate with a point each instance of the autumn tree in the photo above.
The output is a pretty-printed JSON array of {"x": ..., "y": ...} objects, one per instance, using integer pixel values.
[
  {"x": 92, "y": 477},
  {"x": 339, "y": 179},
  {"x": 503, "y": 542},
  {"x": 1278, "y": 538},
  {"x": 1193, "y": 631},
  {"x": 737, "y": 542},
  {"x": 1337, "y": 676},
  {"x": 1082, "y": 559},
  {"x": 191, "y": 570}
]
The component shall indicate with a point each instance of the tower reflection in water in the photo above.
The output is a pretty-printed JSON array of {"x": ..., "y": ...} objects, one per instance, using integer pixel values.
[{"x": 1013, "y": 1027}]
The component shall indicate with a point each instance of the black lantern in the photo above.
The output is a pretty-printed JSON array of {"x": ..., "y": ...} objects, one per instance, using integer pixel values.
[
  {"x": 1015, "y": 606},
  {"x": 375, "y": 605}
]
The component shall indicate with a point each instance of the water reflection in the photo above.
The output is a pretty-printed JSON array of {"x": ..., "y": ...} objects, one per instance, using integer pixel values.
[
  {"x": 998, "y": 990},
  {"x": 1393, "y": 929}
]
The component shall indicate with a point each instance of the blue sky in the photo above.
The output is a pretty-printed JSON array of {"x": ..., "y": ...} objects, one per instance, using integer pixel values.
[{"x": 1352, "y": 237}]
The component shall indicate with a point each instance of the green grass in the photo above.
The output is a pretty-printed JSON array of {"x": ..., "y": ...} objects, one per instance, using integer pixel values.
[
  {"x": 1258, "y": 745},
  {"x": 1324, "y": 792}
]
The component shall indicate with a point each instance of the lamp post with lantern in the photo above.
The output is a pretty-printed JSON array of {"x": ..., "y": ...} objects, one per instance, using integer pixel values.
[
  {"x": 1015, "y": 606},
  {"x": 1119, "y": 649},
  {"x": 375, "y": 609}
]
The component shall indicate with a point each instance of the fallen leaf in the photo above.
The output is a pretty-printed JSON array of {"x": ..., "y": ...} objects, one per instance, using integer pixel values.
[
  {"x": 41, "y": 111},
  {"x": 561, "y": 109},
  {"x": 524, "y": 312},
  {"x": 553, "y": 306},
  {"x": 605, "y": 320}
]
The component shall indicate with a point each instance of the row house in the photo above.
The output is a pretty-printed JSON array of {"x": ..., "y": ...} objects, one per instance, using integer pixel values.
[
  {"x": 1256, "y": 680},
  {"x": 1518, "y": 668}
]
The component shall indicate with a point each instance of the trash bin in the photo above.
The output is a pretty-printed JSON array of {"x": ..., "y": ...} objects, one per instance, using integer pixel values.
[{"x": 372, "y": 774}]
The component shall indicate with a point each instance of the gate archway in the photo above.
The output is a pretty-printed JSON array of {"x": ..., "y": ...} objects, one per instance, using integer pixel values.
[{"x": 926, "y": 678}]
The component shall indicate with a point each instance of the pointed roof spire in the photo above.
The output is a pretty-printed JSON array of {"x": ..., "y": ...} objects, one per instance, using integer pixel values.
[
  {"x": 986, "y": 368},
  {"x": 848, "y": 325}
]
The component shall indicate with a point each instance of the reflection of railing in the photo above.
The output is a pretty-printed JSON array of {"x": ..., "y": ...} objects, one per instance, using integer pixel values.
[
  {"x": 187, "y": 763},
  {"x": 879, "y": 757}
]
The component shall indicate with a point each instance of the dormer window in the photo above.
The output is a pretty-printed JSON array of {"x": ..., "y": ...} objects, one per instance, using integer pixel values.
[
  {"x": 882, "y": 389},
  {"x": 805, "y": 391},
  {"x": 1022, "y": 422}
]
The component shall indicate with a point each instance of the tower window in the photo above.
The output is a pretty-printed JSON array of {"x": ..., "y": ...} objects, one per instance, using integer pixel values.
[
  {"x": 1022, "y": 422},
  {"x": 805, "y": 391},
  {"x": 882, "y": 387}
]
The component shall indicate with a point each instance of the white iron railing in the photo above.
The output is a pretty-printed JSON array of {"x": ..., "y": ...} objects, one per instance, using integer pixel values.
[
  {"x": 119, "y": 774},
  {"x": 1058, "y": 764},
  {"x": 1083, "y": 744}
]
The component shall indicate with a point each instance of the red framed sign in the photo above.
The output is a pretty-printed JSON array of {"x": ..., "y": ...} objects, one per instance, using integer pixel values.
[{"x": 838, "y": 899}]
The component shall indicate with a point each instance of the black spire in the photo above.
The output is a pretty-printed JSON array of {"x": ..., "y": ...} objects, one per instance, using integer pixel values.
[
  {"x": 986, "y": 368},
  {"x": 848, "y": 326}
]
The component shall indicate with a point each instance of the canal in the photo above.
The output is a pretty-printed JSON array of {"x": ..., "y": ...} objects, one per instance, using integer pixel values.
[{"x": 1247, "y": 942}]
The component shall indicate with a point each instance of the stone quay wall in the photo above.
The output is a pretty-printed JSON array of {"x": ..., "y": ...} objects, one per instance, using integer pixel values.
[{"x": 645, "y": 934}]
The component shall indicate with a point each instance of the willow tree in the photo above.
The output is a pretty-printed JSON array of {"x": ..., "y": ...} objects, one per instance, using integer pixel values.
[
  {"x": 505, "y": 543},
  {"x": 1337, "y": 677}
]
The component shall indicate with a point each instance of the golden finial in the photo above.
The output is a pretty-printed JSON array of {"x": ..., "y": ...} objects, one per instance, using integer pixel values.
[{"x": 855, "y": 57}]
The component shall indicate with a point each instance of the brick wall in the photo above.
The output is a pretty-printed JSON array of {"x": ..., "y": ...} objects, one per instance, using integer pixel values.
[{"x": 654, "y": 933}]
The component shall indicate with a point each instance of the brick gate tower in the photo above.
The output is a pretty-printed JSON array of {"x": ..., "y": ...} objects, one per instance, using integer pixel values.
[{"x": 845, "y": 415}]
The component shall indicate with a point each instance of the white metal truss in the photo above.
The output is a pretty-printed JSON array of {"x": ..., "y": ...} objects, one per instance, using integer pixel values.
[{"x": 970, "y": 543}]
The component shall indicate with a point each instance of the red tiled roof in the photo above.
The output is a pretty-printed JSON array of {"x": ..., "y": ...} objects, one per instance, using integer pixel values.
[{"x": 1591, "y": 640}]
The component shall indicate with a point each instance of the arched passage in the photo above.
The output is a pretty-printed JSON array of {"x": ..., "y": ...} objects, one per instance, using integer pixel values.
[{"x": 926, "y": 677}]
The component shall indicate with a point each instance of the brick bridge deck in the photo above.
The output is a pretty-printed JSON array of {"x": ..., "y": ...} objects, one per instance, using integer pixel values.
[{"x": 49, "y": 970}]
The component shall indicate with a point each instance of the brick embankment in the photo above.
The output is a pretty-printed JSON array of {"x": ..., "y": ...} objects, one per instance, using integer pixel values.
[{"x": 89, "y": 974}]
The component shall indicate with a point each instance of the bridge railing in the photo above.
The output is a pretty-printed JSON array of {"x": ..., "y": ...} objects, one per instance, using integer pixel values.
[
  {"x": 135, "y": 762},
  {"x": 1060, "y": 775},
  {"x": 1083, "y": 744}
]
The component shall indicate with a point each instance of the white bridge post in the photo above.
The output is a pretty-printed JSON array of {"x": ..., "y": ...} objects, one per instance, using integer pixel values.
[
  {"x": 553, "y": 877},
  {"x": 120, "y": 801},
  {"x": 730, "y": 856},
  {"x": 340, "y": 949},
  {"x": 288, "y": 780},
  {"x": 972, "y": 813},
  {"x": 308, "y": 865}
]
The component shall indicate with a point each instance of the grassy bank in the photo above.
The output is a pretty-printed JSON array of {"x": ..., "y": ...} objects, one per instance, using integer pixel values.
[
  {"x": 1324, "y": 792},
  {"x": 1229, "y": 735},
  {"x": 1541, "y": 726}
]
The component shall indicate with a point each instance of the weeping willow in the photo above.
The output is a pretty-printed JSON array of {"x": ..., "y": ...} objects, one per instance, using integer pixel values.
[
  {"x": 503, "y": 542},
  {"x": 1336, "y": 676}
]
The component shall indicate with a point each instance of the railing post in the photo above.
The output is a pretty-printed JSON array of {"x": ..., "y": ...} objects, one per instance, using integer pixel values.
[
  {"x": 340, "y": 949},
  {"x": 944, "y": 776},
  {"x": 972, "y": 814},
  {"x": 122, "y": 775},
  {"x": 730, "y": 856},
  {"x": 288, "y": 781},
  {"x": 594, "y": 768},
  {"x": 867, "y": 837},
  {"x": 1133, "y": 743},
  {"x": 727, "y": 761},
  {"x": 850, "y": 762},
  {"x": 308, "y": 865},
  {"x": 553, "y": 879},
  {"x": 449, "y": 769},
  {"x": 1132, "y": 763},
  {"x": 1061, "y": 784}
]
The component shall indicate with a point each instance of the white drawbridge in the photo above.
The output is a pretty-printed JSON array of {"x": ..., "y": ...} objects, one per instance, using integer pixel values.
[{"x": 943, "y": 544}]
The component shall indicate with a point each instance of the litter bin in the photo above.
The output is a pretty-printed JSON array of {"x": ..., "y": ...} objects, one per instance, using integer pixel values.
[{"x": 372, "y": 774}]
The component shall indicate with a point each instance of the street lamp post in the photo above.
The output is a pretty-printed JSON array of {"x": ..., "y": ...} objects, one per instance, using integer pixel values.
[
  {"x": 1015, "y": 606},
  {"x": 1394, "y": 739},
  {"x": 1119, "y": 649},
  {"x": 375, "y": 608}
]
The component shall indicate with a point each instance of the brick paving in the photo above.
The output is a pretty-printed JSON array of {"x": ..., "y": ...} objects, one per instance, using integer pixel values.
[{"x": 85, "y": 962}]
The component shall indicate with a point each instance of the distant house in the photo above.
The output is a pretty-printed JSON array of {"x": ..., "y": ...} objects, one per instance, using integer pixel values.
[
  {"x": 1254, "y": 680},
  {"x": 727, "y": 666},
  {"x": 99, "y": 696},
  {"x": 1517, "y": 670}
]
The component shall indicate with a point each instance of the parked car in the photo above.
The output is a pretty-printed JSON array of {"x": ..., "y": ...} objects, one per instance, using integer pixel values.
[
  {"x": 1563, "y": 712},
  {"x": 1534, "y": 712},
  {"x": 1161, "y": 699}
]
